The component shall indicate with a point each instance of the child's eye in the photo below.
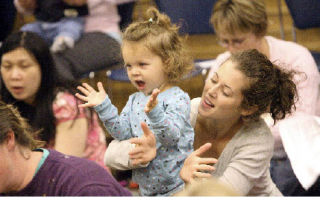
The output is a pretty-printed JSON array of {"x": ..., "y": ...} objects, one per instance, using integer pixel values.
[{"x": 142, "y": 64}]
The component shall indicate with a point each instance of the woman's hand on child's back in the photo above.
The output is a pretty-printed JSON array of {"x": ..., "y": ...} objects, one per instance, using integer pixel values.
[
  {"x": 153, "y": 101},
  {"x": 197, "y": 167},
  {"x": 145, "y": 150},
  {"x": 90, "y": 95}
]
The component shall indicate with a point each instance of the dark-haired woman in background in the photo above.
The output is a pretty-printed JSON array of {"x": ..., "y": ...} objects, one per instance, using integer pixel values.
[{"x": 30, "y": 82}]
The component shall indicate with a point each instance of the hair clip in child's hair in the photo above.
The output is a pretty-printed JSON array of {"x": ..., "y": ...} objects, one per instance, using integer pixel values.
[{"x": 150, "y": 20}]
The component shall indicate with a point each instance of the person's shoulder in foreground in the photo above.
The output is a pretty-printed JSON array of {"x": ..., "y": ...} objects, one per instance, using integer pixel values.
[{"x": 64, "y": 175}]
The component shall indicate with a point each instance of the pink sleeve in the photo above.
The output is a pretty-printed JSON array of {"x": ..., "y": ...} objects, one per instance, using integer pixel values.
[
  {"x": 308, "y": 88},
  {"x": 65, "y": 108},
  {"x": 301, "y": 60}
]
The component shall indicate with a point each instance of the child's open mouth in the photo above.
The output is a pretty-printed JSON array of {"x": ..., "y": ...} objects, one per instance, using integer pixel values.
[{"x": 140, "y": 84}]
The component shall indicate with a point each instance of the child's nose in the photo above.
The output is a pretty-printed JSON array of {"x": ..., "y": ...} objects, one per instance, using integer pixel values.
[{"x": 135, "y": 71}]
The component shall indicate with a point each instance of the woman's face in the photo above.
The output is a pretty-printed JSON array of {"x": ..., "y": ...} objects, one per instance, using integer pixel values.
[
  {"x": 239, "y": 41},
  {"x": 222, "y": 94},
  {"x": 21, "y": 74}
]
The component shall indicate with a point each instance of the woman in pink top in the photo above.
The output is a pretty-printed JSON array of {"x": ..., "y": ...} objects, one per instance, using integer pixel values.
[
  {"x": 99, "y": 46},
  {"x": 30, "y": 82},
  {"x": 241, "y": 25}
]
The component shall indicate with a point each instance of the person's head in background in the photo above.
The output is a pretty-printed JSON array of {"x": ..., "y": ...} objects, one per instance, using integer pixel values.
[
  {"x": 29, "y": 79},
  {"x": 27, "y": 68},
  {"x": 16, "y": 143},
  {"x": 246, "y": 86},
  {"x": 240, "y": 24},
  {"x": 154, "y": 53}
]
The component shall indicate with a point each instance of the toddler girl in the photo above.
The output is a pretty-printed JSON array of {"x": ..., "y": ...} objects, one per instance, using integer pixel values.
[{"x": 155, "y": 60}]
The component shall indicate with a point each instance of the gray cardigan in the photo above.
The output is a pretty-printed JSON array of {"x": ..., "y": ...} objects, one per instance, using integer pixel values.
[
  {"x": 245, "y": 161},
  {"x": 243, "y": 165}
]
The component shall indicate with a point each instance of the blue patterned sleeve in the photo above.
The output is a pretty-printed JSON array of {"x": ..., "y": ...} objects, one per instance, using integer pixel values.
[
  {"x": 118, "y": 126},
  {"x": 170, "y": 117}
]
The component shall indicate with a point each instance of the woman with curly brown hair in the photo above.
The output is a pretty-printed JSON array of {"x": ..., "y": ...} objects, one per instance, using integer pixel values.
[
  {"x": 229, "y": 132},
  {"x": 228, "y": 126},
  {"x": 242, "y": 25}
]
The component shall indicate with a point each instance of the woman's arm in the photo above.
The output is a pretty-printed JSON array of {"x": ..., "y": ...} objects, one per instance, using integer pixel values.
[
  {"x": 132, "y": 153},
  {"x": 117, "y": 155},
  {"x": 249, "y": 164},
  {"x": 71, "y": 137}
]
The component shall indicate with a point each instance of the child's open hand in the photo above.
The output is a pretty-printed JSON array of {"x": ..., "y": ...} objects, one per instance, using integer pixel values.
[
  {"x": 91, "y": 96},
  {"x": 153, "y": 101}
]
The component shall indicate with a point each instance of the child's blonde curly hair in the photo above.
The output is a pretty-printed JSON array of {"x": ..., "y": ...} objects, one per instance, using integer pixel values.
[{"x": 161, "y": 37}]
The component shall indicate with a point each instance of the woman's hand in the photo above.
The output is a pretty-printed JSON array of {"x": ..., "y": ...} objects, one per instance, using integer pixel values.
[
  {"x": 91, "y": 96},
  {"x": 197, "y": 167},
  {"x": 153, "y": 101},
  {"x": 145, "y": 150}
]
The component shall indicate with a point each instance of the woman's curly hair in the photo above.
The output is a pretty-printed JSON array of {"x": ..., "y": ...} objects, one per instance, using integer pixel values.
[{"x": 270, "y": 89}]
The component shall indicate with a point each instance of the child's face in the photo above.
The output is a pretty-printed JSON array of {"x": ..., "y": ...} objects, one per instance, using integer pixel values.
[{"x": 145, "y": 69}]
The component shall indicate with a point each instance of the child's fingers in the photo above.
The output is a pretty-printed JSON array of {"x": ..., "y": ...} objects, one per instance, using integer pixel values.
[
  {"x": 153, "y": 97},
  {"x": 100, "y": 87},
  {"x": 85, "y": 105},
  {"x": 150, "y": 101},
  {"x": 81, "y": 97},
  {"x": 136, "y": 141},
  {"x": 83, "y": 90},
  {"x": 135, "y": 162},
  {"x": 88, "y": 87},
  {"x": 135, "y": 152},
  {"x": 146, "y": 131},
  {"x": 147, "y": 109},
  {"x": 155, "y": 93},
  {"x": 136, "y": 156}
]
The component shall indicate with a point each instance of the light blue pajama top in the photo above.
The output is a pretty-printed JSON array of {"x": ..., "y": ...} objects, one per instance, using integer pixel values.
[{"x": 170, "y": 122}]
